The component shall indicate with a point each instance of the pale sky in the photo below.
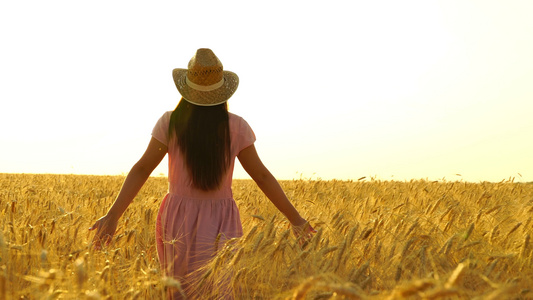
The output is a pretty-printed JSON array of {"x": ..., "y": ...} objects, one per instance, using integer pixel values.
[{"x": 333, "y": 90}]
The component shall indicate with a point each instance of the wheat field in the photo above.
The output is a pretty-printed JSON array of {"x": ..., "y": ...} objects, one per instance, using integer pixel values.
[{"x": 376, "y": 240}]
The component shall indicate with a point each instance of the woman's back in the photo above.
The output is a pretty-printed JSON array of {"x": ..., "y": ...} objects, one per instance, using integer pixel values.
[{"x": 180, "y": 181}]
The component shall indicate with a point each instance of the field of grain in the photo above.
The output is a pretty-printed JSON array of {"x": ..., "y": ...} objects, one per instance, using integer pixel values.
[{"x": 376, "y": 240}]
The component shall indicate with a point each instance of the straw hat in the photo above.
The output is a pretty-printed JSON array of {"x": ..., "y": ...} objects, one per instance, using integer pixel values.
[{"x": 204, "y": 82}]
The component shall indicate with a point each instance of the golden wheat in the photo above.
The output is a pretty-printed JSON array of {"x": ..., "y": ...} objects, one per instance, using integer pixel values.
[{"x": 376, "y": 240}]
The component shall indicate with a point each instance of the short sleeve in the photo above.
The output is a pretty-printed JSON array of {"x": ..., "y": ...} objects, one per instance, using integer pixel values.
[
  {"x": 160, "y": 131},
  {"x": 244, "y": 135}
]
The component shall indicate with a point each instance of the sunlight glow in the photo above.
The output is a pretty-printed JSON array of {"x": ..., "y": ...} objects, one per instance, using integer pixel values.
[{"x": 397, "y": 90}]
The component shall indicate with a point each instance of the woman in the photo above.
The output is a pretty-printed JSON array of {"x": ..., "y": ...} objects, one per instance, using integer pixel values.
[{"x": 202, "y": 139}]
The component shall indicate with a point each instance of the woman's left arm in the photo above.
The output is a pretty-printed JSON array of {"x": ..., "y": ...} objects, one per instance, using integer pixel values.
[{"x": 106, "y": 225}]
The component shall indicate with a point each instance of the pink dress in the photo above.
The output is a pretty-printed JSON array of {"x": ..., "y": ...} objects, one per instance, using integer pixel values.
[{"x": 189, "y": 220}]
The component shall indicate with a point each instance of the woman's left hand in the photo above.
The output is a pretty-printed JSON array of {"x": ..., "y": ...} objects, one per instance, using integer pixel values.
[{"x": 303, "y": 233}]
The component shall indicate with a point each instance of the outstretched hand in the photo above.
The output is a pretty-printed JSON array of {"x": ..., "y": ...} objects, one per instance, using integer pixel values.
[
  {"x": 303, "y": 233},
  {"x": 105, "y": 229}
]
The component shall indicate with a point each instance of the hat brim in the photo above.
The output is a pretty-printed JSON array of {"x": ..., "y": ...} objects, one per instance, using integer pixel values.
[{"x": 210, "y": 98}]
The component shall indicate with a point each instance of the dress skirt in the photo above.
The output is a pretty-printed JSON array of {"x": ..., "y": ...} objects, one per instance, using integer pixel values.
[{"x": 186, "y": 235}]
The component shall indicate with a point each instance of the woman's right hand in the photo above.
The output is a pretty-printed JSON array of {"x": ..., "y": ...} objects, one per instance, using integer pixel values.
[{"x": 105, "y": 229}]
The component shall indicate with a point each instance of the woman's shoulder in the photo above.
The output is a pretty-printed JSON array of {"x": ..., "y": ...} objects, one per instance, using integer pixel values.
[
  {"x": 242, "y": 134},
  {"x": 165, "y": 117},
  {"x": 233, "y": 116},
  {"x": 236, "y": 119}
]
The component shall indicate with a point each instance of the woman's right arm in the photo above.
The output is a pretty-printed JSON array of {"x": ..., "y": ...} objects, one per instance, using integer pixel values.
[
  {"x": 251, "y": 163},
  {"x": 106, "y": 225}
]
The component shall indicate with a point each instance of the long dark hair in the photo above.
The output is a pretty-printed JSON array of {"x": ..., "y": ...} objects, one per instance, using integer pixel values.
[{"x": 203, "y": 137}]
